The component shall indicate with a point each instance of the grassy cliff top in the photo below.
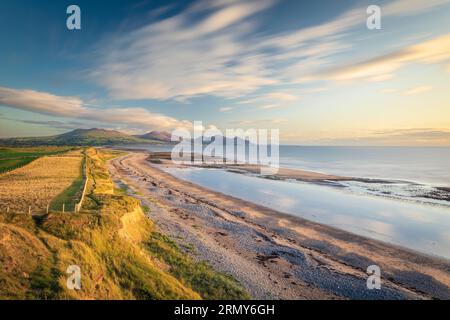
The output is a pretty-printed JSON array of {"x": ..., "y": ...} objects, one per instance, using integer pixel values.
[{"x": 120, "y": 252}]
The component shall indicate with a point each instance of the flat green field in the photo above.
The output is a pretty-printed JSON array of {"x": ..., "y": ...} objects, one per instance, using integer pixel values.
[{"x": 13, "y": 158}]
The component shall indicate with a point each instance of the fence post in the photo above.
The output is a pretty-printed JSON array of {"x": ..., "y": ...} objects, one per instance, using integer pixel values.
[
  {"x": 29, "y": 209},
  {"x": 79, "y": 204},
  {"x": 48, "y": 205},
  {"x": 64, "y": 207},
  {"x": 7, "y": 209}
]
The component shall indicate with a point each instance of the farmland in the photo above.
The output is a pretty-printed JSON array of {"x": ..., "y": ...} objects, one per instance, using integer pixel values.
[
  {"x": 13, "y": 158},
  {"x": 36, "y": 184}
]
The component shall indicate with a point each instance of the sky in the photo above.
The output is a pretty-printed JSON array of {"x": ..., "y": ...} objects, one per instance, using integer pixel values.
[{"x": 311, "y": 69}]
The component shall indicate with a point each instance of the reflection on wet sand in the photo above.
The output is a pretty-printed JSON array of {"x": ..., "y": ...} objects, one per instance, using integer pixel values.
[{"x": 416, "y": 226}]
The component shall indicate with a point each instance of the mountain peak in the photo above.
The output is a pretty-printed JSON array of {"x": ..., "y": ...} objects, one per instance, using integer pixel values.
[{"x": 164, "y": 136}]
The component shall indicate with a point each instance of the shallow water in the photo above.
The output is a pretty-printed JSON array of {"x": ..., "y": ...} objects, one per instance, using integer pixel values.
[
  {"x": 411, "y": 173},
  {"x": 416, "y": 164},
  {"x": 424, "y": 228}
]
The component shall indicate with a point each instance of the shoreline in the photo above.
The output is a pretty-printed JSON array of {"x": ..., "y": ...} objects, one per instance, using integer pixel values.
[
  {"x": 437, "y": 195},
  {"x": 275, "y": 255}
]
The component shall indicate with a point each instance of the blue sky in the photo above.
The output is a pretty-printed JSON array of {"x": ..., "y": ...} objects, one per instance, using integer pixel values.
[{"x": 310, "y": 68}]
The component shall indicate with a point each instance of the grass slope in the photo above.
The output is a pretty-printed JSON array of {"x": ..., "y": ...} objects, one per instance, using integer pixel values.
[{"x": 119, "y": 251}]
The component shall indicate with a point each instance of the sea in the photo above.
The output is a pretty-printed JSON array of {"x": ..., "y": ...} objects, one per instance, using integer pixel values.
[{"x": 401, "y": 195}]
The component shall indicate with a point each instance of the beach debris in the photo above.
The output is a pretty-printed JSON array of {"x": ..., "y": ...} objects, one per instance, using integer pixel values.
[{"x": 262, "y": 259}]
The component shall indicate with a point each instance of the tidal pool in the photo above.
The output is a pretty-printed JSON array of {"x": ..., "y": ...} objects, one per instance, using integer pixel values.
[{"x": 424, "y": 228}]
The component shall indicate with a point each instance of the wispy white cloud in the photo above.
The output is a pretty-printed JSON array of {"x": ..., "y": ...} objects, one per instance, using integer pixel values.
[
  {"x": 269, "y": 106},
  {"x": 232, "y": 14},
  {"x": 390, "y": 137},
  {"x": 411, "y": 7},
  {"x": 389, "y": 90},
  {"x": 70, "y": 124},
  {"x": 315, "y": 90},
  {"x": 226, "y": 109},
  {"x": 256, "y": 122},
  {"x": 178, "y": 59},
  {"x": 381, "y": 68},
  {"x": 173, "y": 59},
  {"x": 282, "y": 96},
  {"x": 73, "y": 107},
  {"x": 56, "y": 124},
  {"x": 41, "y": 102},
  {"x": 417, "y": 90},
  {"x": 409, "y": 91},
  {"x": 270, "y": 98}
]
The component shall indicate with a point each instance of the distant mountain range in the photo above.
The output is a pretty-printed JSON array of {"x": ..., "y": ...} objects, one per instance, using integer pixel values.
[
  {"x": 103, "y": 137},
  {"x": 90, "y": 137},
  {"x": 163, "y": 136}
]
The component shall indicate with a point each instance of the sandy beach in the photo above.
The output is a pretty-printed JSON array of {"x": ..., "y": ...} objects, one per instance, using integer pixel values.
[{"x": 275, "y": 255}]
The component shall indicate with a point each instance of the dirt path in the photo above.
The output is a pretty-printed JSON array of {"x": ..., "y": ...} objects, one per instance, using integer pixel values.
[{"x": 276, "y": 256}]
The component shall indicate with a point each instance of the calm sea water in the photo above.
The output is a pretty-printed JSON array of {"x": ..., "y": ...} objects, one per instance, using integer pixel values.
[
  {"x": 409, "y": 173},
  {"x": 420, "y": 227},
  {"x": 413, "y": 174},
  {"x": 396, "y": 212},
  {"x": 414, "y": 164}
]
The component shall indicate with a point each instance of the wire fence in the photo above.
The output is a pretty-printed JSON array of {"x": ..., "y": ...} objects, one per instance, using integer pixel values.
[
  {"x": 31, "y": 202},
  {"x": 35, "y": 210},
  {"x": 86, "y": 179}
]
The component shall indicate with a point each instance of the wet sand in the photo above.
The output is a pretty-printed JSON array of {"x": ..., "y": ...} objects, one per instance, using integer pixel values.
[
  {"x": 164, "y": 158},
  {"x": 275, "y": 255}
]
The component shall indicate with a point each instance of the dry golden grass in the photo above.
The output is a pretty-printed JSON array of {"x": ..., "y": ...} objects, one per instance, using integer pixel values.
[
  {"x": 116, "y": 246},
  {"x": 37, "y": 183}
]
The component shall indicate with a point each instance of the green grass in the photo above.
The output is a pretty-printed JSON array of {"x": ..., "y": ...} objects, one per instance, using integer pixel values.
[
  {"x": 145, "y": 208},
  {"x": 44, "y": 283},
  {"x": 13, "y": 158},
  {"x": 121, "y": 189},
  {"x": 118, "y": 249},
  {"x": 200, "y": 276},
  {"x": 12, "y": 164}
]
